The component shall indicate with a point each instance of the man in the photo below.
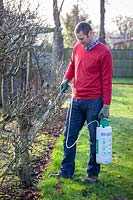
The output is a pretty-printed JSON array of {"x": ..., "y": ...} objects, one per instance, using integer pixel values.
[{"x": 91, "y": 68}]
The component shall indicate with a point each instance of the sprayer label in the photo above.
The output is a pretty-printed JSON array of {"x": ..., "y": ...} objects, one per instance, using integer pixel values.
[
  {"x": 106, "y": 147},
  {"x": 106, "y": 134}
]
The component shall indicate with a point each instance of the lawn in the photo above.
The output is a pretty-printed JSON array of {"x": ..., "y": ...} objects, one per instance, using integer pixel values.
[
  {"x": 123, "y": 80},
  {"x": 116, "y": 179}
]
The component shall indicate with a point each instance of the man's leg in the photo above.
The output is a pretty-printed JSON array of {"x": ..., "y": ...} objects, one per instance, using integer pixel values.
[
  {"x": 74, "y": 122},
  {"x": 94, "y": 108}
]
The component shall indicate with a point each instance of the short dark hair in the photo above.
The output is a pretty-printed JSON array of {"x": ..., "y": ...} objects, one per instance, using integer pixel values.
[{"x": 82, "y": 26}]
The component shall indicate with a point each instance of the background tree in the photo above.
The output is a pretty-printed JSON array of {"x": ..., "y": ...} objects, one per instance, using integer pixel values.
[
  {"x": 70, "y": 22},
  {"x": 102, "y": 22},
  {"x": 125, "y": 26},
  {"x": 58, "y": 44}
]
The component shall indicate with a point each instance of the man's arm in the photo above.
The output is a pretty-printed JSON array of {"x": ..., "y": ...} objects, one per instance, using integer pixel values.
[{"x": 106, "y": 73}]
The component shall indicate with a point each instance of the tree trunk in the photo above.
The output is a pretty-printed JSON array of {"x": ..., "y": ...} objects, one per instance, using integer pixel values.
[
  {"x": 1, "y": 22},
  {"x": 102, "y": 21},
  {"x": 24, "y": 160},
  {"x": 58, "y": 46}
]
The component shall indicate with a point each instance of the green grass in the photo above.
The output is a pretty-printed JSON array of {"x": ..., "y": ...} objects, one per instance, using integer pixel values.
[
  {"x": 115, "y": 179},
  {"x": 123, "y": 80}
]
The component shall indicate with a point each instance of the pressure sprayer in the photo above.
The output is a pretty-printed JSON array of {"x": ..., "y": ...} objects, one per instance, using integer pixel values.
[
  {"x": 103, "y": 139},
  {"x": 104, "y": 142}
]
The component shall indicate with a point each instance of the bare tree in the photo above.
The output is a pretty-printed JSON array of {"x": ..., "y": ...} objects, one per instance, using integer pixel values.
[
  {"x": 26, "y": 111},
  {"x": 17, "y": 34}
]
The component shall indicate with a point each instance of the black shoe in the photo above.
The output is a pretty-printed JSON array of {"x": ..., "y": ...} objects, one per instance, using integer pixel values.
[{"x": 90, "y": 179}]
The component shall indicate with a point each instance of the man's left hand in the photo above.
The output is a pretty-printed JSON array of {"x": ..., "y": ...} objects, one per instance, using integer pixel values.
[{"x": 104, "y": 112}]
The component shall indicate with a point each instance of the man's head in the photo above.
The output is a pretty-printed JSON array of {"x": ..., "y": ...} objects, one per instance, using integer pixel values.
[{"x": 83, "y": 33}]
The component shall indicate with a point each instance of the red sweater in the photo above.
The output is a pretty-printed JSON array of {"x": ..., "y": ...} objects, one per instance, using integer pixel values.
[{"x": 92, "y": 73}]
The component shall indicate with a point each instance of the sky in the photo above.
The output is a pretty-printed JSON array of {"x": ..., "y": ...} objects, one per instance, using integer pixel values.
[{"x": 91, "y": 7}]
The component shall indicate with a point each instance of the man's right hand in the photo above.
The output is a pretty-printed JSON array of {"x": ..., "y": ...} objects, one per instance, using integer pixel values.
[{"x": 64, "y": 86}]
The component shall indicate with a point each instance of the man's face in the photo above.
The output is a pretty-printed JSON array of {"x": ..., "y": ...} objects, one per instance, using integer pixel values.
[{"x": 85, "y": 40}]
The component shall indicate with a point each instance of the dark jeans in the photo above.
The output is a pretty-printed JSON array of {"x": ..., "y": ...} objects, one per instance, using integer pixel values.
[{"x": 81, "y": 111}]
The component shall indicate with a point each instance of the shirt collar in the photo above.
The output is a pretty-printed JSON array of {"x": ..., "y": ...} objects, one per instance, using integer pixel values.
[{"x": 92, "y": 45}]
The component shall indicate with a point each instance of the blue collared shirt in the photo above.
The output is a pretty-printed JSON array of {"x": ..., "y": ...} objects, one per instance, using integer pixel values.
[{"x": 92, "y": 45}]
